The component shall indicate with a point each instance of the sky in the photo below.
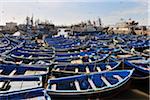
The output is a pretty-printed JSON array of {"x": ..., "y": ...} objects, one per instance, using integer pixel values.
[{"x": 67, "y": 12}]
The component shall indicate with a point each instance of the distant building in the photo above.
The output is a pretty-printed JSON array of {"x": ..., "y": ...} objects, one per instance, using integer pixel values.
[
  {"x": 88, "y": 26},
  {"x": 133, "y": 29},
  {"x": 124, "y": 27},
  {"x": 64, "y": 31},
  {"x": 11, "y": 27},
  {"x": 46, "y": 28},
  {"x": 83, "y": 27},
  {"x": 1, "y": 28},
  {"x": 142, "y": 30},
  {"x": 22, "y": 27}
]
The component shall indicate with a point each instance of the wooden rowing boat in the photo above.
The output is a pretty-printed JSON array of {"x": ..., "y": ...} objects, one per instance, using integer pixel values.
[
  {"x": 22, "y": 87},
  {"x": 88, "y": 84},
  {"x": 68, "y": 70}
]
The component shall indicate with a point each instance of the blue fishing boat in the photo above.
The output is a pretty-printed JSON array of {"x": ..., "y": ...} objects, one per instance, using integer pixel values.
[
  {"x": 24, "y": 62},
  {"x": 107, "y": 50},
  {"x": 68, "y": 70},
  {"x": 134, "y": 52},
  {"x": 70, "y": 48},
  {"x": 141, "y": 65},
  {"x": 82, "y": 60},
  {"x": 12, "y": 70},
  {"x": 22, "y": 87},
  {"x": 82, "y": 52},
  {"x": 93, "y": 65},
  {"x": 88, "y": 84},
  {"x": 62, "y": 44},
  {"x": 36, "y": 50},
  {"x": 31, "y": 56},
  {"x": 74, "y": 55},
  {"x": 4, "y": 43}
]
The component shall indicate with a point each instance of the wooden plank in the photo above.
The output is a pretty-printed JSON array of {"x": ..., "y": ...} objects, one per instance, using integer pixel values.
[
  {"x": 77, "y": 85},
  {"x": 53, "y": 87},
  {"x": 1, "y": 70},
  {"x": 92, "y": 84},
  {"x": 77, "y": 61},
  {"x": 117, "y": 77},
  {"x": 20, "y": 62},
  {"x": 124, "y": 56},
  {"x": 12, "y": 73},
  {"x": 22, "y": 56},
  {"x": 108, "y": 67},
  {"x": 138, "y": 61},
  {"x": 76, "y": 70},
  {"x": 30, "y": 56},
  {"x": 105, "y": 81},
  {"x": 1, "y": 84},
  {"x": 57, "y": 69},
  {"x": 52, "y": 77},
  {"x": 90, "y": 60},
  {"x": 30, "y": 73},
  {"x": 30, "y": 63},
  {"x": 98, "y": 69},
  {"x": 132, "y": 50},
  {"x": 87, "y": 69}
]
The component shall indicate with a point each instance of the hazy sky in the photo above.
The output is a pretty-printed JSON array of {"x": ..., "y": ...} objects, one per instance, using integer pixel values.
[{"x": 73, "y": 11}]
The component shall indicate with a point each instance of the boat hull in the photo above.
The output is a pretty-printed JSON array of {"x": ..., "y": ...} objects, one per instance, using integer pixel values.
[
  {"x": 23, "y": 94},
  {"x": 84, "y": 89},
  {"x": 92, "y": 94}
]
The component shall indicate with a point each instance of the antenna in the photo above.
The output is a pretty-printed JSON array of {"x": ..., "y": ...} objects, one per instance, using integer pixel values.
[
  {"x": 32, "y": 20},
  {"x": 99, "y": 21}
]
